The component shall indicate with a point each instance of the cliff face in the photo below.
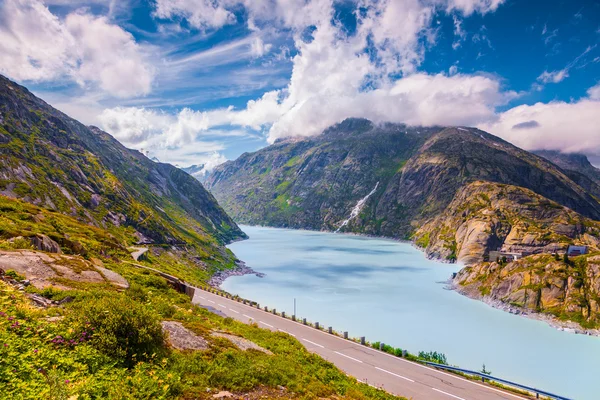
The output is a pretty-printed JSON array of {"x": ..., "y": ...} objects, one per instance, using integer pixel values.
[
  {"x": 457, "y": 192},
  {"x": 540, "y": 283},
  {"x": 578, "y": 168}
]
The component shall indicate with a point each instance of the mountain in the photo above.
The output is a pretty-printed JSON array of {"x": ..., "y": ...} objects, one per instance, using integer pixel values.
[
  {"x": 457, "y": 192},
  {"x": 197, "y": 171},
  {"x": 577, "y": 167},
  {"x": 53, "y": 161}
]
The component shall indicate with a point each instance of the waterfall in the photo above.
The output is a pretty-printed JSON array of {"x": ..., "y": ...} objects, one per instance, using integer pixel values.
[{"x": 357, "y": 208}]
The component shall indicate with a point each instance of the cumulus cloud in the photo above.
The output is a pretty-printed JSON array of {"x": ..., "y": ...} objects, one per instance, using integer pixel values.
[
  {"x": 594, "y": 92},
  {"x": 36, "y": 45},
  {"x": 333, "y": 77},
  {"x": 564, "y": 126}
]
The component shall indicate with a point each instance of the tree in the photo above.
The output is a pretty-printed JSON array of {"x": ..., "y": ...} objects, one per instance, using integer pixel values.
[{"x": 485, "y": 371}]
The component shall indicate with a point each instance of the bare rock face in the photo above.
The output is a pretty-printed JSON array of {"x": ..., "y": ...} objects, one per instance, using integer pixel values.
[
  {"x": 43, "y": 269},
  {"x": 181, "y": 338},
  {"x": 486, "y": 216},
  {"x": 44, "y": 243},
  {"x": 240, "y": 342},
  {"x": 539, "y": 283}
]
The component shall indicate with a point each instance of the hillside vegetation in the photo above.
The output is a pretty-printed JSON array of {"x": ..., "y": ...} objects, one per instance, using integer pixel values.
[
  {"x": 79, "y": 319},
  {"x": 107, "y": 344}
]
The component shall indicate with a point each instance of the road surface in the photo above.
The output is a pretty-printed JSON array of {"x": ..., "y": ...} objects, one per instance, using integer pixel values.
[{"x": 393, "y": 374}]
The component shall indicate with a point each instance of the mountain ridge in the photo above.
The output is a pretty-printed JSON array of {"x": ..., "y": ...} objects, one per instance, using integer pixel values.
[
  {"x": 314, "y": 182},
  {"x": 51, "y": 160}
]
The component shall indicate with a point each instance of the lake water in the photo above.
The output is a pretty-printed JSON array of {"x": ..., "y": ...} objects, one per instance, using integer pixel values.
[{"x": 389, "y": 292}]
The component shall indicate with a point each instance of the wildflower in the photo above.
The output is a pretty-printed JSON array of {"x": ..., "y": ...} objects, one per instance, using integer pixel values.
[
  {"x": 35, "y": 351},
  {"x": 67, "y": 381}
]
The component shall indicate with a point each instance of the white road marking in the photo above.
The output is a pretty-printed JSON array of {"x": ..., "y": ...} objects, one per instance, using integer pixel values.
[
  {"x": 343, "y": 355},
  {"x": 396, "y": 375},
  {"x": 291, "y": 334},
  {"x": 237, "y": 312},
  {"x": 448, "y": 394},
  {"x": 203, "y": 298},
  {"x": 399, "y": 359},
  {"x": 264, "y": 323},
  {"x": 221, "y": 305},
  {"x": 210, "y": 301},
  {"x": 316, "y": 344}
]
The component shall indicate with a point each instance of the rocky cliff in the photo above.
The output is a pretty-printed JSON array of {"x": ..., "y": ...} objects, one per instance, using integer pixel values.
[
  {"x": 541, "y": 283},
  {"x": 54, "y": 162},
  {"x": 457, "y": 192}
]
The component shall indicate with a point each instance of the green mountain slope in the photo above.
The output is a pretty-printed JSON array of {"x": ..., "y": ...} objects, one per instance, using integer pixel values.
[
  {"x": 51, "y": 160},
  {"x": 414, "y": 174}
]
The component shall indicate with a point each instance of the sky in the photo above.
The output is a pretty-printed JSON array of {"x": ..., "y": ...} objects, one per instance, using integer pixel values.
[{"x": 202, "y": 81}]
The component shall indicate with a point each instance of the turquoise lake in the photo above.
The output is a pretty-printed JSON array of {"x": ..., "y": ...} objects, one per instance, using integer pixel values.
[{"x": 390, "y": 292}]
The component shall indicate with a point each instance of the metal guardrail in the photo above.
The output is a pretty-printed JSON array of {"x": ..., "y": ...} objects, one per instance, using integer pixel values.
[{"x": 537, "y": 392}]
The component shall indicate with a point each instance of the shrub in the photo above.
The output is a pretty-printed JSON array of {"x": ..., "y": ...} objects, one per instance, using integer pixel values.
[
  {"x": 119, "y": 327},
  {"x": 433, "y": 356},
  {"x": 14, "y": 275}
]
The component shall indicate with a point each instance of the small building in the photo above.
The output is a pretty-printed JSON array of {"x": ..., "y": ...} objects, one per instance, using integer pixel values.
[
  {"x": 574, "y": 251},
  {"x": 496, "y": 256}
]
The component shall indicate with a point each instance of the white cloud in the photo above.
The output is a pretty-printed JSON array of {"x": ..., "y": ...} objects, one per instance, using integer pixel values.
[
  {"x": 594, "y": 92},
  {"x": 468, "y": 7},
  {"x": 36, "y": 45},
  {"x": 553, "y": 76},
  {"x": 459, "y": 33},
  {"x": 260, "y": 48},
  {"x": 201, "y": 14},
  {"x": 567, "y": 127}
]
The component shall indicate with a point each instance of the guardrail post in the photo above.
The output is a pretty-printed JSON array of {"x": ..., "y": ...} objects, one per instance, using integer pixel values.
[
  {"x": 283, "y": 314},
  {"x": 345, "y": 335},
  {"x": 362, "y": 340},
  {"x": 317, "y": 325},
  {"x": 381, "y": 346},
  {"x": 274, "y": 311},
  {"x": 330, "y": 329},
  {"x": 257, "y": 305},
  {"x": 404, "y": 353},
  {"x": 304, "y": 321},
  {"x": 293, "y": 318}
]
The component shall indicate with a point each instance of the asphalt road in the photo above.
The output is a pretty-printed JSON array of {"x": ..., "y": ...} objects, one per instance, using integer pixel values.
[{"x": 393, "y": 374}]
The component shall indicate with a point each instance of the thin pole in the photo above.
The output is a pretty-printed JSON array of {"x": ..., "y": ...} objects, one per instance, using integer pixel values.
[{"x": 294, "y": 306}]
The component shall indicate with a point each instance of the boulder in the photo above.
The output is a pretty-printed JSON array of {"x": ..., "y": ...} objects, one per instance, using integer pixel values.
[
  {"x": 181, "y": 338},
  {"x": 44, "y": 243}
]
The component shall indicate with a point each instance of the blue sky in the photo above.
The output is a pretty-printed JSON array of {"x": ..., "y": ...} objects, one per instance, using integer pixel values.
[{"x": 201, "y": 81}]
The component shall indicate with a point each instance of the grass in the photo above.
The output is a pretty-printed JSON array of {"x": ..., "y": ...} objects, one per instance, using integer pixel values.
[{"x": 41, "y": 357}]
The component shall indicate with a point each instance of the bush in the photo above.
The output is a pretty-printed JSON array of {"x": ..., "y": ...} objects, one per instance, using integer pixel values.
[
  {"x": 119, "y": 327},
  {"x": 14, "y": 275},
  {"x": 433, "y": 356}
]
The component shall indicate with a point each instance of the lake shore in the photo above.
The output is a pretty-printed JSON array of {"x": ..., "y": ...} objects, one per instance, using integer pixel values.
[
  {"x": 565, "y": 326},
  {"x": 240, "y": 269}
]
